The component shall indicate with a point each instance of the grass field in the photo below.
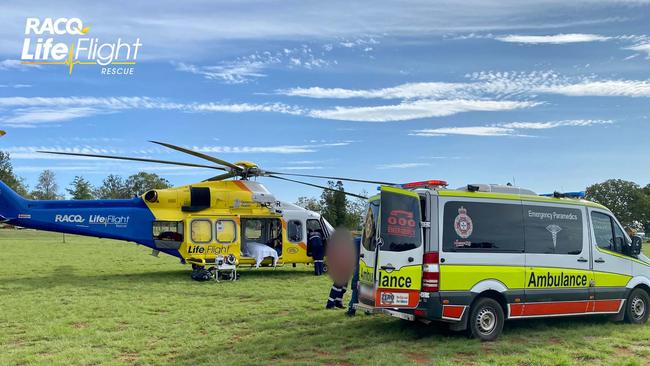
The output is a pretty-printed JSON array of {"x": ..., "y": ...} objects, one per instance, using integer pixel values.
[{"x": 93, "y": 301}]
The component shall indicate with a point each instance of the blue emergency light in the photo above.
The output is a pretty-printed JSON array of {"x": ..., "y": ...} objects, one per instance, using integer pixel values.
[{"x": 578, "y": 194}]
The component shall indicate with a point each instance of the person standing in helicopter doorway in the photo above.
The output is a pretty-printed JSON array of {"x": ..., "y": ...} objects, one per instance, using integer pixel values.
[
  {"x": 316, "y": 250},
  {"x": 341, "y": 260}
]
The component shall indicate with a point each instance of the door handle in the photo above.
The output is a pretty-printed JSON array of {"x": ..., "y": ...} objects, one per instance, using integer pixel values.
[
  {"x": 386, "y": 268},
  {"x": 582, "y": 259},
  {"x": 599, "y": 260},
  {"x": 362, "y": 255}
]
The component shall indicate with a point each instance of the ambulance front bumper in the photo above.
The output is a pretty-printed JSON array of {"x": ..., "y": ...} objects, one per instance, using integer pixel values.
[{"x": 392, "y": 312}]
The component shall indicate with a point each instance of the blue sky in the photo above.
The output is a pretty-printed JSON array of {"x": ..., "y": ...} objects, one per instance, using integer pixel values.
[{"x": 550, "y": 94}]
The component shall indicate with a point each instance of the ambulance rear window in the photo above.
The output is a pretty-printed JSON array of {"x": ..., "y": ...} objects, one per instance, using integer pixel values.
[{"x": 400, "y": 222}]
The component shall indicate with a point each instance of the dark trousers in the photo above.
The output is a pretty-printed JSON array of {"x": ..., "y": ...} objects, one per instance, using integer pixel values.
[
  {"x": 355, "y": 291},
  {"x": 336, "y": 296},
  {"x": 318, "y": 267}
]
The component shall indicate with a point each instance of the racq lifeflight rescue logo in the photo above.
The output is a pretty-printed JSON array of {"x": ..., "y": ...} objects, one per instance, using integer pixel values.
[{"x": 43, "y": 45}]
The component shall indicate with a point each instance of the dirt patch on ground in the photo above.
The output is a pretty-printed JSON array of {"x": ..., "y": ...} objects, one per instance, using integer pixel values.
[
  {"x": 129, "y": 357},
  {"x": 419, "y": 358},
  {"x": 624, "y": 352},
  {"x": 80, "y": 325},
  {"x": 340, "y": 363},
  {"x": 465, "y": 358},
  {"x": 555, "y": 340}
]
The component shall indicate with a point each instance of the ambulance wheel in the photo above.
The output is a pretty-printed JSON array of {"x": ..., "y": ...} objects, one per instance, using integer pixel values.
[
  {"x": 486, "y": 319},
  {"x": 636, "y": 309}
]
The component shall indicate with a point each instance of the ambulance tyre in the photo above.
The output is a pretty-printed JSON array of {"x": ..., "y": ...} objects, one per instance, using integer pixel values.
[
  {"x": 485, "y": 319},
  {"x": 637, "y": 307}
]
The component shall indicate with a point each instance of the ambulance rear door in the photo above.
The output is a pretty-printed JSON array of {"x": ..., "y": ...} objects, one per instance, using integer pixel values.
[{"x": 399, "y": 250}]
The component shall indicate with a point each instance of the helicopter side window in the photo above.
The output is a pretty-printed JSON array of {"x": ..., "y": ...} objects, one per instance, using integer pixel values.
[
  {"x": 226, "y": 231},
  {"x": 201, "y": 231},
  {"x": 168, "y": 230},
  {"x": 294, "y": 231}
]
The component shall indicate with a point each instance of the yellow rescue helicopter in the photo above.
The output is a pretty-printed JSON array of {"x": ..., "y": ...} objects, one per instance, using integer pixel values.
[{"x": 238, "y": 220}]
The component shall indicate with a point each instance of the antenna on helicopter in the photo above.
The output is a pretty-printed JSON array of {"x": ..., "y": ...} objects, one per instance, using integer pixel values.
[{"x": 243, "y": 170}]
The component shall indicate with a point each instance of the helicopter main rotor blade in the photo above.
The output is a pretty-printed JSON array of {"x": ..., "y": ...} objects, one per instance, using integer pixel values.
[
  {"x": 221, "y": 177},
  {"x": 132, "y": 159},
  {"x": 200, "y": 155},
  {"x": 317, "y": 186},
  {"x": 335, "y": 178}
]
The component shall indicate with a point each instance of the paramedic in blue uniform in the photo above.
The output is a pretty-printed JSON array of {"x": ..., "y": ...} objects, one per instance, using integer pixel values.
[
  {"x": 355, "y": 280},
  {"x": 316, "y": 250}
]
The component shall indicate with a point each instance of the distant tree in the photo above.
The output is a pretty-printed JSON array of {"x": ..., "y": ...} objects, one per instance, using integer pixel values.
[
  {"x": 141, "y": 182},
  {"x": 356, "y": 209},
  {"x": 8, "y": 177},
  {"x": 309, "y": 203},
  {"x": 334, "y": 204},
  {"x": 80, "y": 189},
  {"x": 46, "y": 188},
  {"x": 112, "y": 187},
  {"x": 627, "y": 200}
]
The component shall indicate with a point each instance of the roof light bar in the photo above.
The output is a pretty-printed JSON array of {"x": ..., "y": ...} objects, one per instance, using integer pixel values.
[{"x": 425, "y": 183}]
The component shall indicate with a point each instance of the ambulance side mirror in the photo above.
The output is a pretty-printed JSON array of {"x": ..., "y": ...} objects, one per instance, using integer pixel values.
[{"x": 636, "y": 245}]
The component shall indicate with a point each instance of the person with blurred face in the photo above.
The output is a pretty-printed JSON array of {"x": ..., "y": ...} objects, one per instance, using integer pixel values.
[{"x": 341, "y": 260}]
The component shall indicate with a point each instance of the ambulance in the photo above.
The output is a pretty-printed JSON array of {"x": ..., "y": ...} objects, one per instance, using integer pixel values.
[{"x": 479, "y": 255}]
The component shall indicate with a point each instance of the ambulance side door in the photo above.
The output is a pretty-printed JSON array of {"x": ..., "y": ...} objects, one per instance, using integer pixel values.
[
  {"x": 400, "y": 249},
  {"x": 368, "y": 253},
  {"x": 558, "y": 272},
  {"x": 612, "y": 269}
]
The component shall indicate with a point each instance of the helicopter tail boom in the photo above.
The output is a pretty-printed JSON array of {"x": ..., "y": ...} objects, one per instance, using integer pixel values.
[{"x": 123, "y": 219}]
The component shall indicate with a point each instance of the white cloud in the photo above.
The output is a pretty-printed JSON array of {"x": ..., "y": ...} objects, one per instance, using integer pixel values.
[
  {"x": 467, "y": 131},
  {"x": 230, "y": 73},
  {"x": 403, "y": 91},
  {"x": 553, "y": 39},
  {"x": 402, "y": 165},
  {"x": 32, "y": 111},
  {"x": 554, "y": 124},
  {"x": 16, "y": 65},
  {"x": 417, "y": 109},
  {"x": 641, "y": 47},
  {"x": 606, "y": 88},
  {"x": 247, "y": 68},
  {"x": 506, "y": 129},
  {"x": 277, "y": 149}
]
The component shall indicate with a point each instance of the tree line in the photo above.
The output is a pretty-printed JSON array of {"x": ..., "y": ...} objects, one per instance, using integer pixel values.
[
  {"x": 629, "y": 201},
  {"x": 112, "y": 187}
]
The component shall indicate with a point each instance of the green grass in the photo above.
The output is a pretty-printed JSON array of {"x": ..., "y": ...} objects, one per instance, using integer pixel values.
[{"x": 92, "y": 301}]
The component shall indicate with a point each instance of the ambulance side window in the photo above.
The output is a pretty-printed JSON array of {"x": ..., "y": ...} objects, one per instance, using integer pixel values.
[
  {"x": 483, "y": 227},
  {"x": 553, "y": 229},
  {"x": 606, "y": 231},
  {"x": 603, "y": 232},
  {"x": 294, "y": 231},
  {"x": 368, "y": 239}
]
